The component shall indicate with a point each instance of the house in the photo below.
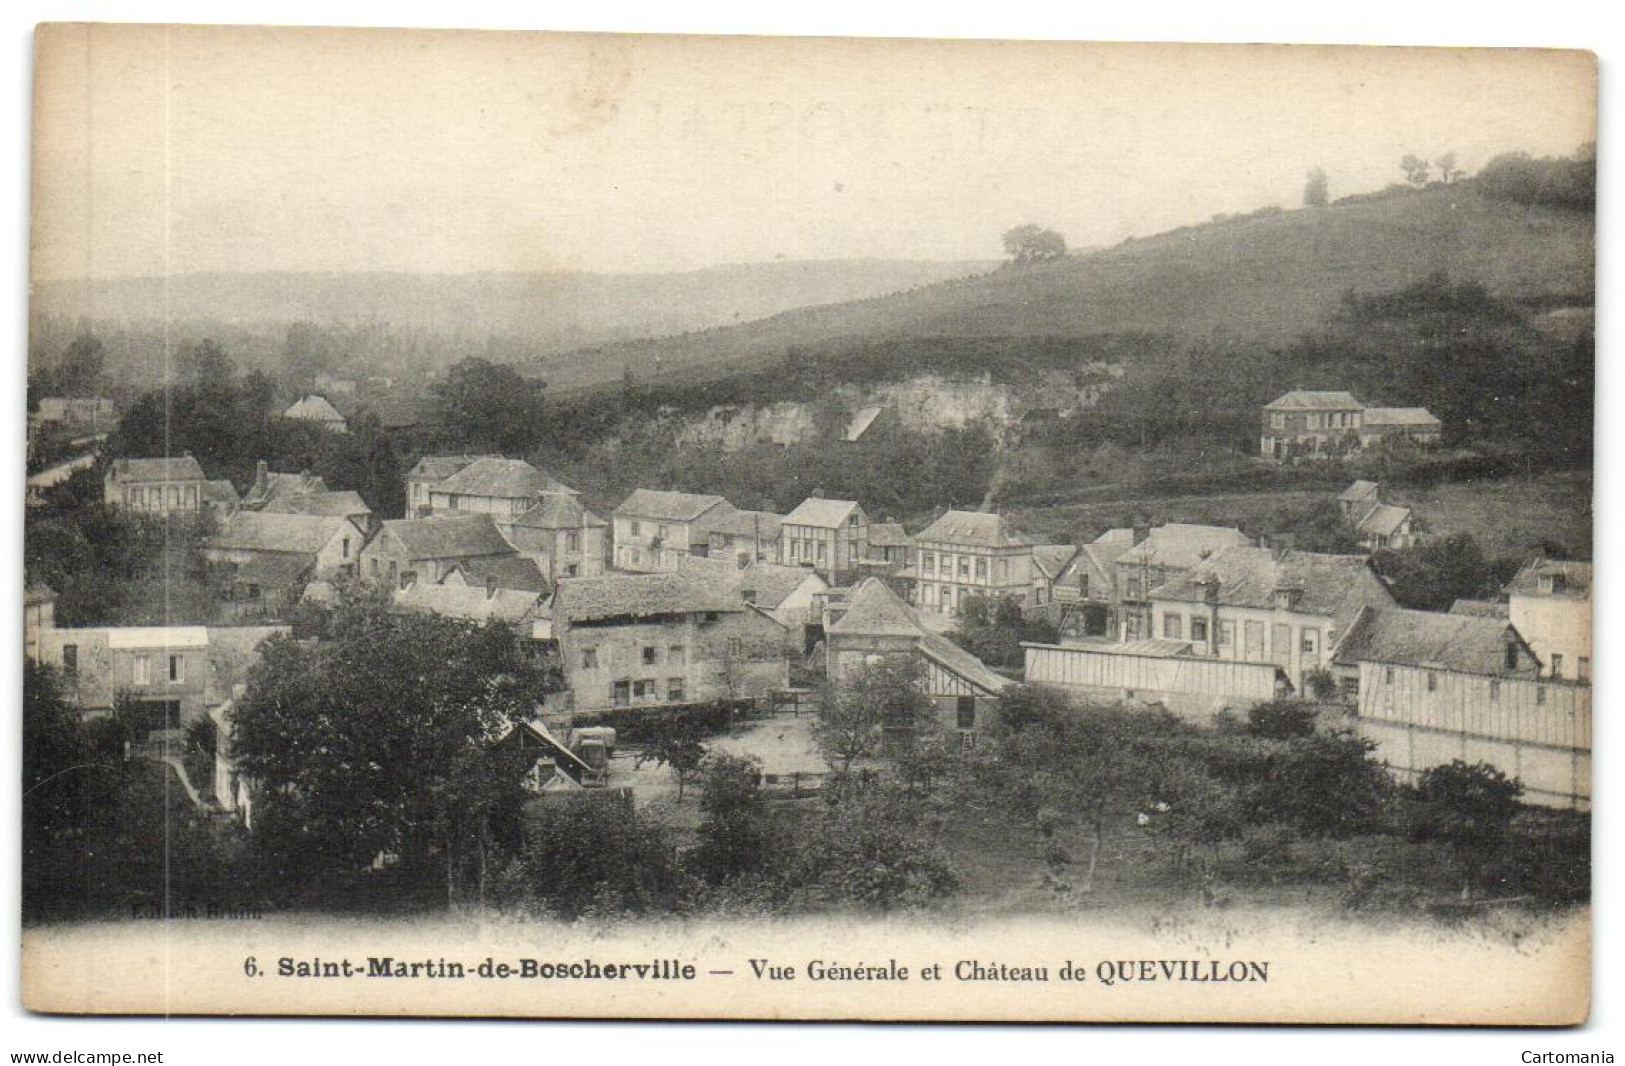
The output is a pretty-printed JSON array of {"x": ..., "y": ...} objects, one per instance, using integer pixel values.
[
  {"x": 563, "y": 537},
  {"x": 1549, "y": 602},
  {"x": 346, "y": 504},
  {"x": 1087, "y": 586},
  {"x": 268, "y": 486},
  {"x": 1050, "y": 562},
  {"x": 501, "y": 488},
  {"x": 261, "y": 560},
  {"x": 1154, "y": 557},
  {"x": 874, "y": 622},
  {"x": 1263, "y": 605},
  {"x": 317, "y": 409},
  {"x": 831, "y": 536},
  {"x": 170, "y": 675},
  {"x": 1428, "y": 688},
  {"x": 1415, "y": 424},
  {"x": 428, "y": 472},
  {"x": 455, "y": 598},
  {"x": 1302, "y": 422},
  {"x": 890, "y": 547},
  {"x": 1376, "y": 525},
  {"x": 794, "y": 595},
  {"x": 1358, "y": 499},
  {"x": 170, "y": 486},
  {"x": 73, "y": 414},
  {"x": 666, "y": 638},
  {"x": 516, "y": 572},
  {"x": 654, "y": 529},
  {"x": 744, "y": 537},
  {"x": 408, "y": 550},
  {"x": 39, "y": 614}
]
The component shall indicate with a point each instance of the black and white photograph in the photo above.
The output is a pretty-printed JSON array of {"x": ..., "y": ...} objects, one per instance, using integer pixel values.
[{"x": 554, "y": 525}]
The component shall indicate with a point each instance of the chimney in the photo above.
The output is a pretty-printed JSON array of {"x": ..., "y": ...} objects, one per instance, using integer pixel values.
[
  {"x": 1142, "y": 530},
  {"x": 261, "y": 478},
  {"x": 1209, "y": 584},
  {"x": 749, "y": 594}
]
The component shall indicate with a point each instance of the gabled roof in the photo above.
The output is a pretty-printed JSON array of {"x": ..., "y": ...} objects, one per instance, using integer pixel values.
[
  {"x": 825, "y": 514},
  {"x": 1306, "y": 400},
  {"x": 280, "y": 486},
  {"x": 1465, "y": 643},
  {"x": 1359, "y": 492},
  {"x": 466, "y": 602},
  {"x": 1180, "y": 546},
  {"x": 1383, "y": 520},
  {"x": 773, "y": 583},
  {"x": 1099, "y": 562},
  {"x": 1576, "y": 578},
  {"x": 559, "y": 510},
  {"x": 1052, "y": 559},
  {"x": 661, "y": 505},
  {"x": 1480, "y": 608},
  {"x": 512, "y": 479},
  {"x": 220, "y": 491},
  {"x": 515, "y": 572},
  {"x": 346, "y": 504},
  {"x": 1400, "y": 416},
  {"x": 736, "y": 523},
  {"x": 313, "y": 408},
  {"x": 447, "y": 537},
  {"x": 874, "y": 610},
  {"x": 174, "y": 468},
  {"x": 979, "y": 529},
  {"x": 587, "y": 599},
  {"x": 1334, "y": 586},
  {"x": 293, "y": 533},
  {"x": 889, "y": 535},
  {"x": 274, "y": 571},
  {"x": 440, "y": 467}
]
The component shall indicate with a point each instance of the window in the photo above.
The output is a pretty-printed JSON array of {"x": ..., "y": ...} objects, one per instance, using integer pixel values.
[
  {"x": 1132, "y": 589},
  {"x": 1199, "y": 630},
  {"x": 650, "y": 655},
  {"x": 1277, "y": 420},
  {"x": 637, "y": 530},
  {"x": 589, "y": 658},
  {"x": 1557, "y": 665},
  {"x": 643, "y": 690},
  {"x": 964, "y": 566},
  {"x": 572, "y": 570},
  {"x": 664, "y": 532},
  {"x": 1388, "y": 675},
  {"x": 981, "y": 569},
  {"x": 177, "y": 669},
  {"x": 1172, "y": 624},
  {"x": 143, "y": 670},
  {"x": 1433, "y": 681},
  {"x": 965, "y": 712},
  {"x": 346, "y": 547},
  {"x": 191, "y": 496},
  {"x": 736, "y": 647},
  {"x": 1540, "y": 694},
  {"x": 1309, "y": 641},
  {"x": 852, "y": 521},
  {"x": 1083, "y": 585},
  {"x": 674, "y": 690},
  {"x": 1004, "y": 569},
  {"x": 1512, "y": 656},
  {"x": 1495, "y": 690},
  {"x": 947, "y": 600},
  {"x": 174, "y": 496},
  {"x": 928, "y": 562},
  {"x": 1227, "y": 633},
  {"x": 1585, "y": 668},
  {"x": 620, "y": 693},
  {"x": 408, "y": 577},
  {"x": 676, "y": 655},
  {"x": 70, "y": 659},
  {"x": 1351, "y": 689},
  {"x": 821, "y": 551},
  {"x": 572, "y": 541}
]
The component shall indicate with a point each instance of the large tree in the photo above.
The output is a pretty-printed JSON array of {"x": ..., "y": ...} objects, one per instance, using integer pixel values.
[
  {"x": 1033, "y": 244},
  {"x": 491, "y": 405},
  {"x": 377, "y": 744},
  {"x": 867, "y": 705}
]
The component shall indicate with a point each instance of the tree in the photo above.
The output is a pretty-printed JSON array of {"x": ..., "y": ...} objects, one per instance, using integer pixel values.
[
  {"x": 379, "y": 742},
  {"x": 1416, "y": 170},
  {"x": 206, "y": 366},
  {"x": 1469, "y": 807},
  {"x": 735, "y": 837},
  {"x": 1448, "y": 172},
  {"x": 1434, "y": 574},
  {"x": 1033, "y": 244},
  {"x": 492, "y": 405},
  {"x": 879, "y": 701},
  {"x": 588, "y": 853},
  {"x": 676, "y": 745},
  {"x": 871, "y": 848},
  {"x": 1281, "y": 719},
  {"x": 1314, "y": 189}
]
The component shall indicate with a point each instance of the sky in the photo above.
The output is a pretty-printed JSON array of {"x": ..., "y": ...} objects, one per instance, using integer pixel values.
[{"x": 197, "y": 149}]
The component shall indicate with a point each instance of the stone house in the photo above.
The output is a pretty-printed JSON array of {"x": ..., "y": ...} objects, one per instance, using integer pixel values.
[
  {"x": 1305, "y": 422},
  {"x": 564, "y": 538},
  {"x": 743, "y": 537},
  {"x": 170, "y": 486},
  {"x": 654, "y": 529},
  {"x": 260, "y": 561},
  {"x": 408, "y": 550}
]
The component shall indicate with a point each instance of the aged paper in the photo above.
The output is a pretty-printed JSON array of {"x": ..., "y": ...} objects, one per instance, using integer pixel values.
[{"x": 596, "y": 526}]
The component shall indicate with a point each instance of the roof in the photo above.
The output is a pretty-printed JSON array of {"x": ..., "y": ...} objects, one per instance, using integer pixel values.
[
  {"x": 1383, "y": 520},
  {"x": 313, "y": 408},
  {"x": 889, "y": 535},
  {"x": 861, "y": 421},
  {"x": 38, "y": 592},
  {"x": 1399, "y": 416},
  {"x": 980, "y": 529},
  {"x": 737, "y": 523},
  {"x": 1465, "y": 643},
  {"x": 174, "y": 468},
  {"x": 1305, "y": 400},
  {"x": 559, "y": 510},
  {"x": 1480, "y": 608},
  {"x": 158, "y": 637},
  {"x": 505, "y": 478},
  {"x": 1151, "y": 646},
  {"x": 274, "y": 571},
  {"x": 1052, "y": 559},
  {"x": 515, "y": 572},
  {"x": 261, "y": 532},
  {"x": 466, "y": 602},
  {"x": 456, "y": 536},
  {"x": 440, "y": 467},
  {"x": 220, "y": 491},
  {"x": 659, "y": 504},
  {"x": 1359, "y": 491},
  {"x": 1180, "y": 546},
  {"x": 690, "y": 591},
  {"x": 875, "y": 610},
  {"x": 344, "y": 504},
  {"x": 1576, "y": 578},
  {"x": 773, "y": 583},
  {"x": 826, "y": 514},
  {"x": 277, "y": 486},
  {"x": 1335, "y": 586}
]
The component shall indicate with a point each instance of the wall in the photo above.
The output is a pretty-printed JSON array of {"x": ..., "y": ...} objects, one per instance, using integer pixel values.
[
  {"x": 712, "y": 666},
  {"x": 636, "y": 551},
  {"x": 1192, "y": 688},
  {"x": 1554, "y": 624}
]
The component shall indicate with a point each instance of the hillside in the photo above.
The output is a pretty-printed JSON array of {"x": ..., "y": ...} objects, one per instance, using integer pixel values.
[
  {"x": 550, "y": 312},
  {"x": 1255, "y": 279}
]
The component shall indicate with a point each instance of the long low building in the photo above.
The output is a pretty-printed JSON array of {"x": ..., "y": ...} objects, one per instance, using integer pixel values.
[{"x": 1163, "y": 671}]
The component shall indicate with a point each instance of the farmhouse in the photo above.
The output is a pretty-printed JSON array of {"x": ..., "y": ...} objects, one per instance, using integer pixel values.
[
  {"x": 654, "y": 529},
  {"x": 170, "y": 486},
  {"x": 408, "y": 550}
]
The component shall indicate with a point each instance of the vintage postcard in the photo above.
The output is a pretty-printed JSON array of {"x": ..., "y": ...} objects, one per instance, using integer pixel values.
[{"x": 609, "y": 526}]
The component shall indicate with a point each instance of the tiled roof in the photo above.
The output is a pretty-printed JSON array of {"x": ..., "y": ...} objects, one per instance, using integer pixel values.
[
  {"x": 1304, "y": 400},
  {"x": 559, "y": 510},
  {"x": 1466, "y": 643},
  {"x": 1335, "y": 586},
  {"x": 1576, "y": 578},
  {"x": 1052, "y": 559},
  {"x": 825, "y": 514},
  {"x": 515, "y": 572},
  {"x": 763, "y": 525},
  {"x": 176, "y": 468},
  {"x": 440, "y": 467},
  {"x": 773, "y": 583},
  {"x": 1480, "y": 608},
  {"x": 466, "y": 602},
  {"x": 889, "y": 535},
  {"x": 874, "y": 610},
  {"x": 314, "y": 409},
  {"x": 1383, "y": 520},
  {"x": 588, "y": 599},
  {"x": 659, "y": 504},
  {"x": 512, "y": 479},
  {"x": 979, "y": 529},
  {"x": 1399, "y": 416},
  {"x": 447, "y": 537},
  {"x": 280, "y": 486},
  {"x": 274, "y": 571},
  {"x": 258, "y": 531},
  {"x": 1181, "y": 546},
  {"x": 220, "y": 491},
  {"x": 1359, "y": 491},
  {"x": 344, "y": 504}
]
